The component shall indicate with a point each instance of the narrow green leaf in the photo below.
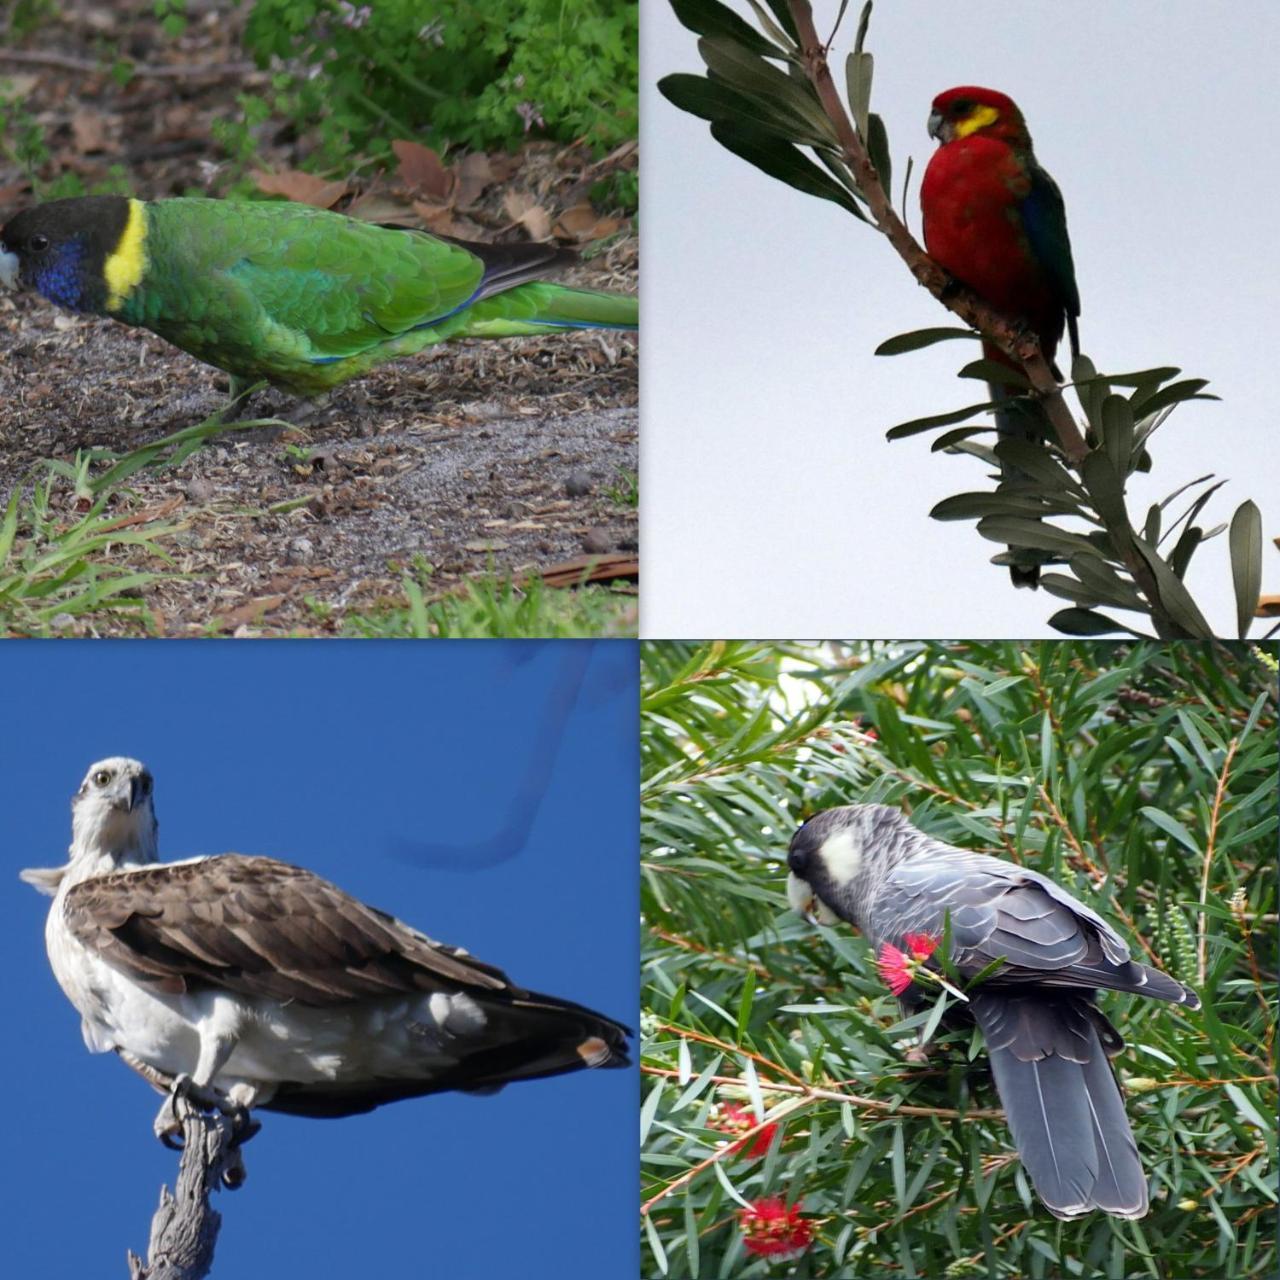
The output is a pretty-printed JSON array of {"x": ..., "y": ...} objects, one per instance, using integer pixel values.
[
  {"x": 710, "y": 18},
  {"x": 1037, "y": 462},
  {"x": 918, "y": 338},
  {"x": 655, "y": 1245},
  {"x": 782, "y": 11},
  {"x": 744, "y": 1005},
  {"x": 650, "y": 1107},
  {"x": 757, "y": 78},
  {"x": 936, "y": 420},
  {"x": 1176, "y": 599},
  {"x": 1142, "y": 377},
  {"x": 1098, "y": 576},
  {"x": 1174, "y": 393},
  {"x": 1245, "y": 541},
  {"x": 1151, "y": 526},
  {"x": 864, "y": 21},
  {"x": 974, "y": 506},
  {"x": 858, "y": 69},
  {"x": 1085, "y": 622},
  {"x": 691, "y": 1237},
  {"x": 1017, "y": 532},
  {"x": 878, "y": 150},
  {"x": 753, "y": 1087},
  {"x": 1171, "y": 826},
  {"x": 1102, "y": 481},
  {"x": 1066, "y": 587},
  {"x": 1117, "y": 432},
  {"x": 940, "y": 1006},
  {"x": 781, "y": 160},
  {"x": 960, "y": 434},
  {"x": 715, "y": 100},
  {"x": 993, "y": 371},
  {"x": 1248, "y": 1111},
  {"x": 898, "y": 1163}
]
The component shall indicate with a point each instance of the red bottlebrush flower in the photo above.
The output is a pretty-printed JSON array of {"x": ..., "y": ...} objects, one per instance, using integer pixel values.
[
  {"x": 898, "y": 968},
  {"x": 730, "y": 1117},
  {"x": 774, "y": 1229}
]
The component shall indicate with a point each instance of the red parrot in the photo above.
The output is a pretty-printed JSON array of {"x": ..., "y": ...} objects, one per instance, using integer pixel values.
[{"x": 994, "y": 219}]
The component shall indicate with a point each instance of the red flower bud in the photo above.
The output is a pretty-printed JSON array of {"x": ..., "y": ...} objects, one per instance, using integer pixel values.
[{"x": 773, "y": 1229}]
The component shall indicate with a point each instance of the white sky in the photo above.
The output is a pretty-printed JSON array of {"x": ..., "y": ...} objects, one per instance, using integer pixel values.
[{"x": 772, "y": 503}]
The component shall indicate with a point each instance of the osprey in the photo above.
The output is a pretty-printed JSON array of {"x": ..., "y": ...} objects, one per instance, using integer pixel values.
[
  {"x": 244, "y": 982},
  {"x": 1047, "y": 1040}
]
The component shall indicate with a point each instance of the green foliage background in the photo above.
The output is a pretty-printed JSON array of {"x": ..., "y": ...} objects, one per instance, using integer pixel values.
[
  {"x": 1141, "y": 776},
  {"x": 359, "y": 75},
  {"x": 451, "y": 72}
]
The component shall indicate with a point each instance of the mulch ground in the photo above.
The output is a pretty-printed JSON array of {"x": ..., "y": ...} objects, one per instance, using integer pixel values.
[{"x": 512, "y": 456}]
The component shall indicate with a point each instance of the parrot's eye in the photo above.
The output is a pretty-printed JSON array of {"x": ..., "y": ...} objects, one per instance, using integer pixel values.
[
  {"x": 38, "y": 244},
  {"x": 102, "y": 777},
  {"x": 961, "y": 109}
]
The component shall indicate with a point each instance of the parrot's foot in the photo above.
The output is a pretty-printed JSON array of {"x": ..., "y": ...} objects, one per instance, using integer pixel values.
[
  {"x": 184, "y": 1095},
  {"x": 950, "y": 287},
  {"x": 917, "y": 1054}
]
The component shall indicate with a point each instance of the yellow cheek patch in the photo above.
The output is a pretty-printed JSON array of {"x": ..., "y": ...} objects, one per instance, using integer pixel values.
[
  {"x": 126, "y": 264},
  {"x": 977, "y": 119}
]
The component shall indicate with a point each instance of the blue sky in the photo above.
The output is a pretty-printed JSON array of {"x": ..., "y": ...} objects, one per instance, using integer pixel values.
[{"x": 485, "y": 792}]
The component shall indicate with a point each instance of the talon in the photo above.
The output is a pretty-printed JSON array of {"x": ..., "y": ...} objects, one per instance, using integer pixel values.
[
  {"x": 234, "y": 1174},
  {"x": 243, "y": 1126},
  {"x": 167, "y": 1125}
]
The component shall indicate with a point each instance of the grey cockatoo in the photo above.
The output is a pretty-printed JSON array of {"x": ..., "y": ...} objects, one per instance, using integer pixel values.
[{"x": 1047, "y": 1040}]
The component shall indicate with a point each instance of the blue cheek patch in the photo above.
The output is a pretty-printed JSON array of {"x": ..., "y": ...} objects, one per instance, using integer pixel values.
[{"x": 59, "y": 278}]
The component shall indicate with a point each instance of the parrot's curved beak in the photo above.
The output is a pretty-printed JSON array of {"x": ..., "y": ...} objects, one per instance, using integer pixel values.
[
  {"x": 807, "y": 903},
  {"x": 937, "y": 126},
  {"x": 8, "y": 269}
]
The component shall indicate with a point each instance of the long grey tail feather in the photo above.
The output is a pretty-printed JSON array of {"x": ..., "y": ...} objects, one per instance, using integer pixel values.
[
  {"x": 1014, "y": 420},
  {"x": 1121, "y": 1188},
  {"x": 1063, "y": 1105}
]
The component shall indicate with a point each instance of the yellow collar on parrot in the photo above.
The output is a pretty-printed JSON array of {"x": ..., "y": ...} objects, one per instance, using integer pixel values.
[
  {"x": 978, "y": 118},
  {"x": 127, "y": 262}
]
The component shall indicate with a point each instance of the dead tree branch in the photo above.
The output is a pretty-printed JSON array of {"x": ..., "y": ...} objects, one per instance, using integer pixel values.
[{"x": 185, "y": 1227}]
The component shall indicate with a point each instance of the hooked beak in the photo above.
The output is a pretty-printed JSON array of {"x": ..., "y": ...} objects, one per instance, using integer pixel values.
[
  {"x": 803, "y": 899},
  {"x": 937, "y": 126},
  {"x": 127, "y": 793}
]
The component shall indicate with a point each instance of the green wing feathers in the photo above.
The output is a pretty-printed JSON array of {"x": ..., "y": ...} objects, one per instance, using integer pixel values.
[{"x": 544, "y": 308}]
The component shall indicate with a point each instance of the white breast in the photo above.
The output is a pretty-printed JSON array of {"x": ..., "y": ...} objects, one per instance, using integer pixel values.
[{"x": 115, "y": 1012}]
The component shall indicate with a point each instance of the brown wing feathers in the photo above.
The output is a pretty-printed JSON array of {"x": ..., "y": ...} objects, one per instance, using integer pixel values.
[{"x": 263, "y": 928}]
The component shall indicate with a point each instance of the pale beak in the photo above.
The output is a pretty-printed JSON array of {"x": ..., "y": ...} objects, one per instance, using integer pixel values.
[
  {"x": 125, "y": 793},
  {"x": 8, "y": 269},
  {"x": 803, "y": 899},
  {"x": 937, "y": 126}
]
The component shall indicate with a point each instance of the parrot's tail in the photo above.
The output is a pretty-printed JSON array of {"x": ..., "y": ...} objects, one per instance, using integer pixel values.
[
  {"x": 539, "y": 307},
  {"x": 1063, "y": 1103}
]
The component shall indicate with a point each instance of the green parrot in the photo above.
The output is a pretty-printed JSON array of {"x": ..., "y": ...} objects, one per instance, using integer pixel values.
[{"x": 300, "y": 297}]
